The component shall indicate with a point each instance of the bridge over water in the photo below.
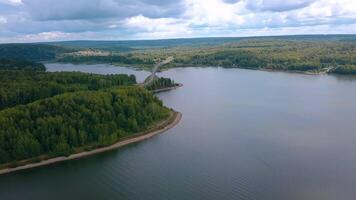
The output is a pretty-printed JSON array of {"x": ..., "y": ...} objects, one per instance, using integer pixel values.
[{"x": 155, "y": 68}]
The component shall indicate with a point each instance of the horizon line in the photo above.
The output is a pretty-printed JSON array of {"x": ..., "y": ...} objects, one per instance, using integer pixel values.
[{"x": 181, "y": 38}]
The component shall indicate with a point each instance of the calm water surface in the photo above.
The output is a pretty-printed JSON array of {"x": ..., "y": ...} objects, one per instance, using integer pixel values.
[
  {"x": 98, "y": 69},
  {"x": 244, "y": 135}
]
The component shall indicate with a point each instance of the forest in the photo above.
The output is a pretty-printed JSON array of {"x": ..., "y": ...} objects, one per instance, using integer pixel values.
[
  {"x": 115, "y": 58},
  {"x": 60, "y": 125},
  {"x": 348, "y": 69},
  {"x": 21, "y": 87},
  {"x": 18, "y": 64},
  {"x": 49, "y": 114},
  {"x": 305, "y": 53},
  {"x": 160, "y": 83},
  {"x": 33, "y": 52},
  {"x": 279, "y": 55}
]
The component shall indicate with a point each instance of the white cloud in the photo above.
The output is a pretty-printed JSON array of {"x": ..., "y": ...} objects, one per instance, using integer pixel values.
[
  {"x": 157, "y": 28},
  {"x": 45, "y": 10},
  {"x": 112, "y": 26},
  {"x": 12, "y": 2},
  {"x": 324, "y": 8},
  {"x": 214, "y": 12},
  {"x": 3, "y": 20},
  {"x": 145, "y": 19},
  {"x": 45, "y": 36},
  {"x": 318, "y": 29},
  {"x": 277, "y": 5},
  {"x": 17, "y": 2}
]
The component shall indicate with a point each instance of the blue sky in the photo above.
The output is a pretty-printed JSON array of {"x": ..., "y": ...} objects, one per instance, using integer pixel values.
[{"x": 51, "y": 20}]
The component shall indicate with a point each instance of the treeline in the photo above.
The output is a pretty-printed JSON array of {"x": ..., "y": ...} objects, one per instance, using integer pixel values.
[
  {"x": 122, "y": 59},
  {"x": 292, "y": 53},
  {"x": 44, "y": 115},
  {"x": 18, "y": 64},
  {"x": 160, "y": 83},
  {"x": 311, "y": 55},
  {"x": 33, "y": 52},
  {"x": 21, "y": 87},
  {"x": 70, "y": 122},
  {"x": 275, "y": 55},
  {"x": 344, "y": 70},
  {"x": 253, "y": 60}
]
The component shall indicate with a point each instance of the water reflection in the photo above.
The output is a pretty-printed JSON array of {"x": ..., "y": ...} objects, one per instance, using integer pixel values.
[{"x": 244, "y": 135}]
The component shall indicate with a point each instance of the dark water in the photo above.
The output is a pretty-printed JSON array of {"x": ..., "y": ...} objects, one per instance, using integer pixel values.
[{"x": 244, "y": 135}]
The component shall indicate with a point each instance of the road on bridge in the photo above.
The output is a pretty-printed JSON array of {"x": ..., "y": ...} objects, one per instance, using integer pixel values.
[{"x": 155, "y": 69}]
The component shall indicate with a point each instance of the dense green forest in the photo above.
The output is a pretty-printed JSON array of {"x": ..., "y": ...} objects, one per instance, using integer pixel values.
[
  {"x": 332, "y": 54},
  {"x": 347, "y": 69},
  {"x": 282, "y": 55},
  {"x": 18, "y": 64},
  {"x": 126, "y": 59},
  {"x": 33, "y": 52},
  {"x": 305, "y": 53},
  {"x": 62, "y": 124},
  {"x": 49, "y": 114},
  {"x": 21, "y": 87},
  {"x": 275, "y": 55},
  {"x": 160, "y": 83},
  {"x": 131, "y": 45}
]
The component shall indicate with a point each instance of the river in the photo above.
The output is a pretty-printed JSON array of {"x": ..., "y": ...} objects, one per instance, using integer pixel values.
[{"x": 244, "y": 135}]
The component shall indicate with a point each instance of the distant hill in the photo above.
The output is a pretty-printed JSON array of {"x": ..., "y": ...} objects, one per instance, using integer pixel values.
[
  {"x": 302, "y": 53},
  {"x": 128, "y": 45},
  {"x": 51, "y": 50}
]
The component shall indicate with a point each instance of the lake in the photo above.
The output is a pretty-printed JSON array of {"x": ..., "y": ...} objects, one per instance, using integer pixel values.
[{"x": 244, "y": 135}]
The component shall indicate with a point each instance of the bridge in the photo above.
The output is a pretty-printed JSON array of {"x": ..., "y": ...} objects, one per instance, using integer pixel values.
[{"x": 155, "y": 68}]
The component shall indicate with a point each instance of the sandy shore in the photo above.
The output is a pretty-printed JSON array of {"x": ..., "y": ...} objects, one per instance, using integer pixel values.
[
  {"x": 167, "y": 89},
  {"x": 142, "y": 136}
]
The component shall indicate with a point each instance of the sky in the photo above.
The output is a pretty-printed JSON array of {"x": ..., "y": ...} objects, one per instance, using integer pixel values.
[{"x": 56, "y": 20}]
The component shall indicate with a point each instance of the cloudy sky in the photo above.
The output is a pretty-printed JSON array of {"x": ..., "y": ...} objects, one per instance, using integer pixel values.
[{"x": 48, "y": 20}]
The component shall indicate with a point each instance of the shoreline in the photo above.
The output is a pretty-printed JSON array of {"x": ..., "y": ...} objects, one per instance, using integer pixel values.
[
  {"x": 167, "y": 124},
  {"x": 137, "y": 67},
  {"x": 167, "y": 89}
]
